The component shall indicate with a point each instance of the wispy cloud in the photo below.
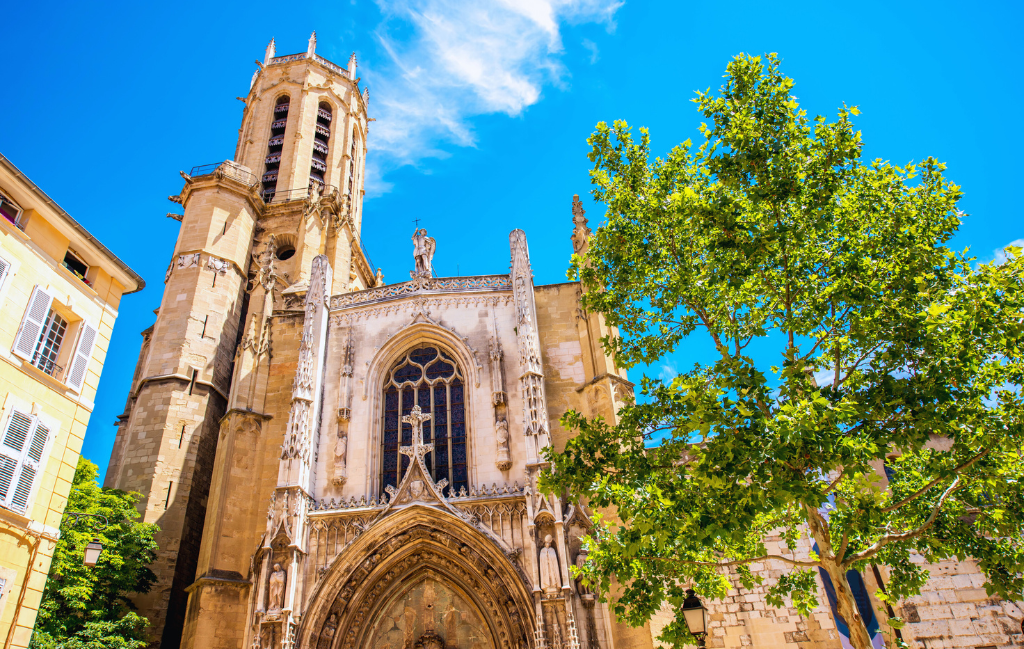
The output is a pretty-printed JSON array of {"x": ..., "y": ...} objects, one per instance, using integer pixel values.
[
  {"x": 667, "y": 372},
  {"x": 449, "y": 61},
  {"x": 1000, "y": 254},
  {"x": 591, "y": 47}
]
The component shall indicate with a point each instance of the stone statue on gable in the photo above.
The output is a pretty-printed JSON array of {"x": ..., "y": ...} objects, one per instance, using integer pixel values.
[{"x": 423, "y": 252}]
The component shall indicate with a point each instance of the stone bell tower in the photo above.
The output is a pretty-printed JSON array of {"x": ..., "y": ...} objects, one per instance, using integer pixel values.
[{"x": 250, "y": 231}]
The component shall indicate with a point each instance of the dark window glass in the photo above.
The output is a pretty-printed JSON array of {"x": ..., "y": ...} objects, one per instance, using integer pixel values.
[{"x": 430, "y": 379}]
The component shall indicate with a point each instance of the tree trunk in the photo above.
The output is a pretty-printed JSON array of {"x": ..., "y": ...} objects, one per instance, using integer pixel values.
[
  {"x": 845, "y": 602},
  {"x": 847, "y": 606}
]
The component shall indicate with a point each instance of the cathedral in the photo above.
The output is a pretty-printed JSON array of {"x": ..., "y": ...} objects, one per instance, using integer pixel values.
[
  {"x": 339, "y": 463},
  {"x": 336, "y": 462}
]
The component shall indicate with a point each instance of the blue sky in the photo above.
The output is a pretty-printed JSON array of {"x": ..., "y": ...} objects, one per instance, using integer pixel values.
[{"x": 483, "y": 109}]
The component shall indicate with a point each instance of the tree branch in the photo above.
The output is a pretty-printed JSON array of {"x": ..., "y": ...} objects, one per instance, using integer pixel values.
[
  {"x": 877, "y": 546},
  {"x": 738, "y": 562},
  {"x": 916, "y": 494}
]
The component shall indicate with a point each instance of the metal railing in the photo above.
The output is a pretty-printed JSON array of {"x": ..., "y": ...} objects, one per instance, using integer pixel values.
[
  {"x": 47, "y": 365},
  {"x": 229, "y": 168},
  {"x": 299, "y": 194}
]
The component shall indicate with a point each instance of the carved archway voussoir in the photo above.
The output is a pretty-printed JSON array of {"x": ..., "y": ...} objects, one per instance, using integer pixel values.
[{"x": 388, "y": 559}]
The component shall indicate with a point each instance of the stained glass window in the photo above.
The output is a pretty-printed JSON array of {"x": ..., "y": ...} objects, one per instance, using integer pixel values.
[{"x": 431, "y": 379}]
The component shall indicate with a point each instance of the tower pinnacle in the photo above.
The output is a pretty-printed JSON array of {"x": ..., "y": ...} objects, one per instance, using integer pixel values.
[{"x": 271, "y": 52}]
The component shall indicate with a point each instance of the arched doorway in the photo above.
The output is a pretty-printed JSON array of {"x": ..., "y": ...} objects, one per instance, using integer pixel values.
[{"x": 420, "y": 578}]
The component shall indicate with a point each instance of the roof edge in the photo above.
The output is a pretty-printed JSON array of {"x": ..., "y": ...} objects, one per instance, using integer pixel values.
[{"x": 140, "y": 283}]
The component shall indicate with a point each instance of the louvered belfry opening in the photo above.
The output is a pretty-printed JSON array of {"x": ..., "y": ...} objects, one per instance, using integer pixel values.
[
  {"x": 274, "y": 147},
  {"x": 321, "y": 138},
  {"x": 352, "y": 165},
  {"x": 431, "y": 379}
]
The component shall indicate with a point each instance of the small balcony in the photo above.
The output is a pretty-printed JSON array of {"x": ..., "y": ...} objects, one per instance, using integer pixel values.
[{"x": 46, "y": 365}]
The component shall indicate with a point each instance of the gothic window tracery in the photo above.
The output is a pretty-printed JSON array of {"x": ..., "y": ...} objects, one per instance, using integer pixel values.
[
  {"x": 274, "y": 148},
  {"x": 431, "y": 379}
]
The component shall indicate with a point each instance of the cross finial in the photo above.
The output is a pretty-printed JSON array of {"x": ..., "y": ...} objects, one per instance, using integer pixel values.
[
  {"x": 417, "y": 223},
  {"x": 416, "y": 418}
]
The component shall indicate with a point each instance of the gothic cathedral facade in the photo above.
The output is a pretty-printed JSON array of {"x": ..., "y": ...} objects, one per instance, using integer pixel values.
[{"x": 334, "y": 462}]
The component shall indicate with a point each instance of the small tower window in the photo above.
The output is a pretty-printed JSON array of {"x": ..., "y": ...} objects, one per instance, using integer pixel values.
[
  {"x": 274, "y": 147},
  {"x": 321, "y": 138}
]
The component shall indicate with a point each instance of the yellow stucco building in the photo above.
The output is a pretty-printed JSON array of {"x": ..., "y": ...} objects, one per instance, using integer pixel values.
[{"x": 59, "y": 294}]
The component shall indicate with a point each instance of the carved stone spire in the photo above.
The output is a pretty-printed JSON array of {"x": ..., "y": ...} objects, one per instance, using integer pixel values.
[
  {"x": 352, "y": 67},
  {"x": 271, "y": 52},
  {"x": 580, "y": 233},
  {"x": 311, "y": 49},
  {"x": 531, "y": 381}
]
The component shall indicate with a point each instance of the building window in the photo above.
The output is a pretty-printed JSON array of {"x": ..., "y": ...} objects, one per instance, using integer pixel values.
[
  {"x": 48, "y": 347},
  {"x": 25, "y": 439},
  {"x": 42, "y": 334},
  {"x": 274, "y": 148},
  {"x": 10, "y": 210},
  {"x": 432, "y": 380},
  {"x": 321, "y": 139},
  {"x": 75, "y": 264}
]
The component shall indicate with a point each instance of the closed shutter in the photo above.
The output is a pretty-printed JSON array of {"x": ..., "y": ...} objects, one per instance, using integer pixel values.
[
  {"x": 19, "y": 426},
  {"x": 32, "y": 324},
  {"x": 21, "y": 457},
  {"x": 30, "y": 467},
  {"x": 80, "y": 363}
]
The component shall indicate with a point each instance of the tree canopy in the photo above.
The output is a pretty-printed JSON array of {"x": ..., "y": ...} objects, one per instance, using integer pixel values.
[
  {"x": 88, "y": 608},
  {"x": 877, "y": 344}
]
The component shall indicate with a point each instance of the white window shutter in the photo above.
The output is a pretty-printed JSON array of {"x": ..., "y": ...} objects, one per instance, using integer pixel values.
[
  {"x": 80, "y": 362},
  {"x": 30, "y": 467},
  {"x": 12, "y": 448},
  {"x": 5, "y": 267},
  {"x": 32, "y": 324}
]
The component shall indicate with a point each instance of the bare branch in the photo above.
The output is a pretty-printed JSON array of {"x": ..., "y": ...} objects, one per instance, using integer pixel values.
[
  {"x": 877, "y": 546},
  {"x": 738, "y": 562},
  {"x": 916, "y": 494}
]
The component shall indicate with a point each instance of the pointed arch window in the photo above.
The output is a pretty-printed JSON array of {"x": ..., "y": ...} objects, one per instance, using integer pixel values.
[
  {"x": 431, "y": 379},
  {"x": 321, "y": 139},
  {"x": 274, "y": 148}
]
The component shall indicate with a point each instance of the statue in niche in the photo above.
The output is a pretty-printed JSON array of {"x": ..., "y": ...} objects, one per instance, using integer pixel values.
[
  {"x": 331, "y": 626},
  {"x": 581, "y": 588},
  {"x": 378, "y": 279},
  {"x": 276, "y": 588},
  {"x": 504, "y": 462},
  {"x": 423, "y": 253},
  {"x": 340, "y": 459},
  {"x": 550, "y": 582},
  {"x": 353, "y": 280}
]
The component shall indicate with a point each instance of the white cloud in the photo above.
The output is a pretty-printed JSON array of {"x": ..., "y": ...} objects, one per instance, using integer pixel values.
[
  {"x": 448, "y": 61},
  {"x": 591, "y": 47},
  {"x": 667, "y": 372},
  {"x": 1000, "y": 253}
]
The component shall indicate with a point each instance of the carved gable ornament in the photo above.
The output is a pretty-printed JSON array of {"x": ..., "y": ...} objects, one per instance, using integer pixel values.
[{"x": 417, "y": 487}]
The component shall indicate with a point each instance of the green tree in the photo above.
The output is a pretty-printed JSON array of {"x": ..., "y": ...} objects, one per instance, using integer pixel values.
[
  {"x": 882, "y": 345},
  {"x": 88, "y": 608}
]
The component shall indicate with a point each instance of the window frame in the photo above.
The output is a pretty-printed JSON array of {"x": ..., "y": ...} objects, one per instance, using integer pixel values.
[{"x": 5, "y": 198}]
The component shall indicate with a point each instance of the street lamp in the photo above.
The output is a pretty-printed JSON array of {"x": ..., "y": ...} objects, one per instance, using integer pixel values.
[
  {"x": 92, "y": 553},
  {"x": 696, "y": 616},
  {"x": 95, "y": 548}
]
